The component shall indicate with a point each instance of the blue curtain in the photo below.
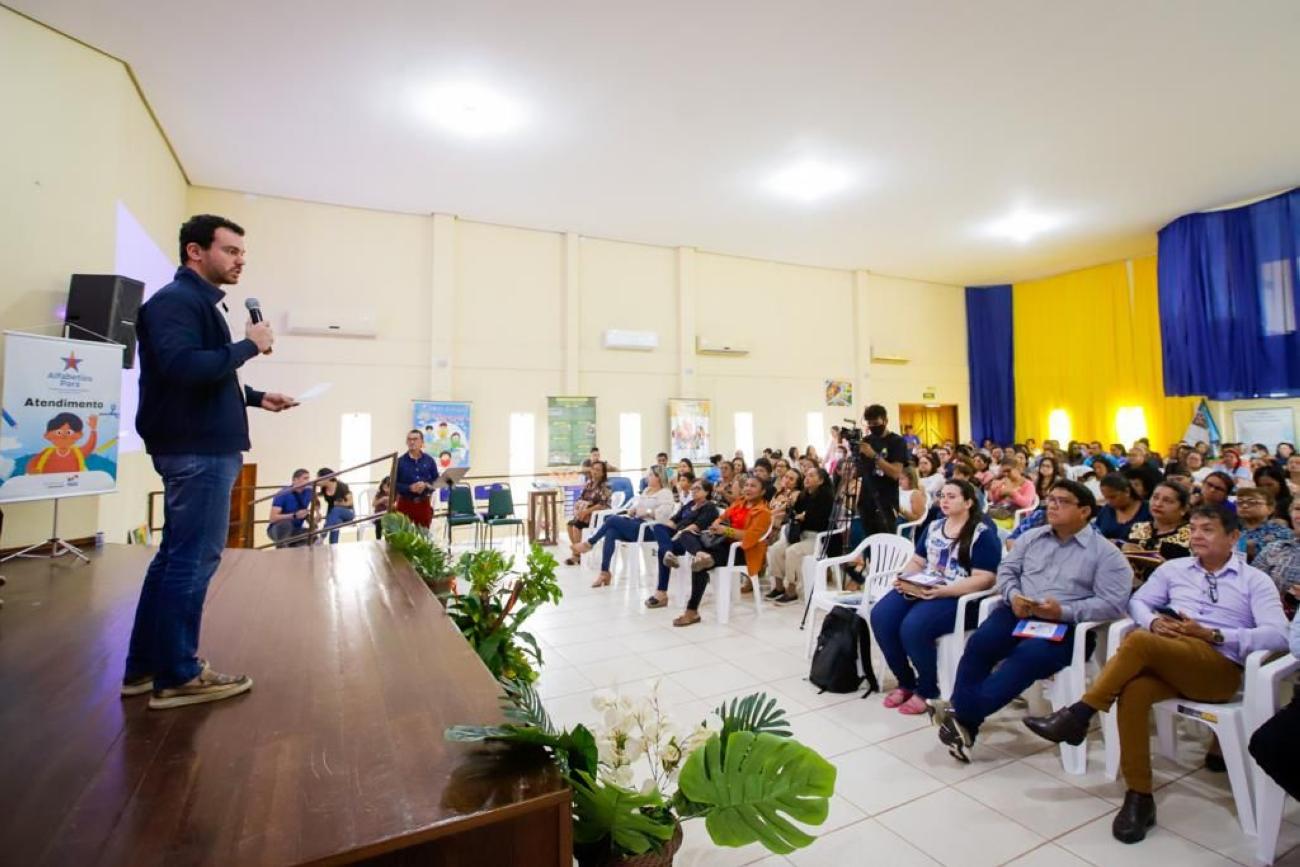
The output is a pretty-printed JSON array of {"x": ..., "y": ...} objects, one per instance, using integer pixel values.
[
  {"x": 1229, "y": 296},
  {"x": 990, "y": 355}
]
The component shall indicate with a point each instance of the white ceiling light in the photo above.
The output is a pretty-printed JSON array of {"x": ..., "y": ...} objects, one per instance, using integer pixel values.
[
  {"x": 1022, "y": 225},
  {"x": 810, "y": 180},
  {"x": 470, "y": 109}
]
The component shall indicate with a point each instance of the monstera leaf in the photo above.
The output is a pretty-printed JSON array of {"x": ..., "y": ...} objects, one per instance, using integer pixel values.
[
  {"x": 631, "y": 822},
  {"x": 747, "y": 795}
]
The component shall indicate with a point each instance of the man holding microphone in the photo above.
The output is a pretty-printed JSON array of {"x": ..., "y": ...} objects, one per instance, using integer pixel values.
[{"x": 193, "y": 420}]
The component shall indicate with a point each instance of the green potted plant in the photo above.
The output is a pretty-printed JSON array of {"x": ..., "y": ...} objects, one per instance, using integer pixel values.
[
  {"x": 497, "y": 598},
  {"x": 416, "y": 544},
  {"x": 739, "y": 770}
]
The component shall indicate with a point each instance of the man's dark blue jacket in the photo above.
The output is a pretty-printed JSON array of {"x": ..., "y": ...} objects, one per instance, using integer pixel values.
[{"x": 191, "y": 401}]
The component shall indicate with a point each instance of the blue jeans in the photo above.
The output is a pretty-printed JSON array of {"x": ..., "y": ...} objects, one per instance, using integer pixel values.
[
  {"x": 614, "y": 529},
  {"x": 906, "y": 630},
  {"x": 338, "y": 515},
  {"x": 196, "y": 515},
  {"x": 981, "y": 691}
]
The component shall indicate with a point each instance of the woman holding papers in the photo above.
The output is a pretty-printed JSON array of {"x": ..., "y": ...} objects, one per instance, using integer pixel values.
[{"x": 954, "y": 556}]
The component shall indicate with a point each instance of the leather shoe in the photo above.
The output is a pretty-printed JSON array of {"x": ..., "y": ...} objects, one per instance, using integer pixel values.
[
  {"x": 1134, "y": 818},
  {"x": 1060, "y": 727}
]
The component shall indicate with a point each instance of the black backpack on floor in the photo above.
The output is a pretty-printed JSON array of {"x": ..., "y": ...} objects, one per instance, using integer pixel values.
[{"x": 843, "y": 655}]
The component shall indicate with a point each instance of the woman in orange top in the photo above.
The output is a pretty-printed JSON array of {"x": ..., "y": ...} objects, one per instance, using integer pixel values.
[{"x": 746, "y": 521}]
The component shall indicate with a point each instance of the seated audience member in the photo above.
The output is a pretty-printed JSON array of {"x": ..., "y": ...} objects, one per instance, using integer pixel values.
[
  {"x": 1195, "y": 464},
  {"x": 811, "y": 454},
  {"x": 1036, "y": 518},
  {"x": 595, "y": 495},
  {"x": 738, "y": 466},
  {"x": 713, "y": 472},
  {"x": 1281, "y": 561},
  {"x": 1010, "y": 493},
  {"x": 1293, "y": 473},
  {"x": 1122, "y": 509},
  {"x": 954, "y": 556},
  {"x": 696, "y": 514},
  {"x": 1272, "y": 478},
  {"x": 983, "y": 471},
  {"x": 682, "y": 486},
  {"x": 1215, "y": 490},
  {"x": 289, "y": 510},
  {"x": 684, "y": 466},
  {"x": 338, "y": 503},
  {"x": 416, "y": 473},
  {"x": 653, "y": 504},
  {"x": 763, "y": 472},
  {"x": 1065, "y": 572},
  {"x": 1230, "y": 462},
  {"x": 808, "y": 515},
  {"x": 1273, "y": 744},
  {"x": 665, "y": 473},
  {"x": 788, "y": 487},
  {"x": 911, "y": 499},
  {"x": 1224, "y": 608},
  {"x": 1049, "y": 471},
  {"x": 1166, "y": 536},
  {"x": 746, "y": 521},
  {"x": 1258, "y": 528},
  {"x": 1143, "y": 478},
  {"x": 383, "y": 496},
  {"x": 592, "y": 458},
  {"x": 931, "y": 476}
]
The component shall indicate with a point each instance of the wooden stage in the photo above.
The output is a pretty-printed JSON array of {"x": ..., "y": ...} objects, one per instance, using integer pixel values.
[{"x": 336, "y": 756}]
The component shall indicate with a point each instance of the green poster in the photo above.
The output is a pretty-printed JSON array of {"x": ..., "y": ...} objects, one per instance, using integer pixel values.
[{"x": 570, "y": 430}]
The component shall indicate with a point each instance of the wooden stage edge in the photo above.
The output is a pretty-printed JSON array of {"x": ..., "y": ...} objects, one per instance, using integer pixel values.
[{"x": 336, "y": 756}]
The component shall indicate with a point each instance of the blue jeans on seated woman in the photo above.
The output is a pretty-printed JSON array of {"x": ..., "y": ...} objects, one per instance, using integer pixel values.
[
  {"x": 906, "y": 630},
  {"x": 615, "y": 529},
  {"x": 338, "y": 515}
]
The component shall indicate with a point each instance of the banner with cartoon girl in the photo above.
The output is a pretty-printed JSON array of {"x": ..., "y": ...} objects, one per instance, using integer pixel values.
[{"x": 59, "y": 432}]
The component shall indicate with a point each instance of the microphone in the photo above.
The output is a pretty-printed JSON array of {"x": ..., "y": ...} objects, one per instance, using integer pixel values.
[{"x": 255, "y": 313}]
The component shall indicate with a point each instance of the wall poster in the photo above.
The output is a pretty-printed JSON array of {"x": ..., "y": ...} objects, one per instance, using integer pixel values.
[
  {"x": 445, "y": 425},
  {"x": 688, "y": 427},
  {"x": 570, "y": 430}
]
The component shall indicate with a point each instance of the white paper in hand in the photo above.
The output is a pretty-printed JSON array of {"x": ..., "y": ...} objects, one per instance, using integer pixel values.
[{"x": 314, "y": 392}]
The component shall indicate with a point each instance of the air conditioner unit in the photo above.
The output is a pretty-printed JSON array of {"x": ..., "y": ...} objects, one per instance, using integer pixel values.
[
  {"x": 356, "y": 322},
  {"x": 710, "y": 346},
  {"x": 640, "y": 341}
]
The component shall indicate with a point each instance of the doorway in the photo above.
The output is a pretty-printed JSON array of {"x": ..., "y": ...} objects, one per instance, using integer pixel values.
[{"x": 931, "y": 422}]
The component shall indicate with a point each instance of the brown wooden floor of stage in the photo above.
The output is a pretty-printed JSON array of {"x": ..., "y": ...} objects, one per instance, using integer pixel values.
[{"x": 336, "y": 755}]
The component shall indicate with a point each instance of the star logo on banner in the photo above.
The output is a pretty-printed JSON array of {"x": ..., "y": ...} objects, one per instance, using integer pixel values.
[{"x": 70, "y": 362}]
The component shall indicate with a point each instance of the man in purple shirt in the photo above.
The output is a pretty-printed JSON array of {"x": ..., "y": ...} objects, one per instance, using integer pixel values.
[{"x": 1200, "y": 617}]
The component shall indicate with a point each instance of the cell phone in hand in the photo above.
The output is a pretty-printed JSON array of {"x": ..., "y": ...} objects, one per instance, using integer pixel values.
[{"x": 1166, "y": 611}]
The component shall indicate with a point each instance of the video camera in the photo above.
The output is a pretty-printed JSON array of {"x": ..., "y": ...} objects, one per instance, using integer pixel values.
[{"x": 851, "y": 433}]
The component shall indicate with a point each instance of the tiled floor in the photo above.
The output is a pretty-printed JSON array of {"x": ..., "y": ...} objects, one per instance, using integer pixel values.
[{"x": 900, "y": 799}]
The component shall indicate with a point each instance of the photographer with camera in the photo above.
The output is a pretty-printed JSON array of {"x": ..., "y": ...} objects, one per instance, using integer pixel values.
[{"x": 881, "y": 456}]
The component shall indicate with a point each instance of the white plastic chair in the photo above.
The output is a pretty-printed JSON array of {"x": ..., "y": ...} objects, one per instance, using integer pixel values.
[
  {"x": 637, "y": 557},
  {"x": 1227, "y": 719},
  {"x": 591, "y": 559},
  {"x": 951, "y": 645},
  {"x": 1021, "y": 514},
  {"x": 1066, "y": 686},
  {"x": 887, "y": 555},
  {"x": 908, "y": 530},
  {"x": 722, "y": 580},
  {"x": 1269, "y": 796}
]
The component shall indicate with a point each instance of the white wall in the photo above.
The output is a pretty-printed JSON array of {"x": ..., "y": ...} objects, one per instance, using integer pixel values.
[{"x": 76, "y": 141}]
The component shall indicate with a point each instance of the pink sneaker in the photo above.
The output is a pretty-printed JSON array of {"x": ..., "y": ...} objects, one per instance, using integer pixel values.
[
  {"x": 897, "y": 697},
  {"x": 914, "y": 706}
]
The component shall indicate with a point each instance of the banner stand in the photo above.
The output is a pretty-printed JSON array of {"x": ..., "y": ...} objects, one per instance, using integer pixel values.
[{"x": 58, "y": 545}]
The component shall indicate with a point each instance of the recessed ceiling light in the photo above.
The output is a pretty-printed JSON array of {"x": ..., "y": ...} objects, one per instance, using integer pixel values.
[
  {"x": 470, "y": 109},
  {"x": 1023, "y": 225},
  {"x": 810, "y": 180}
]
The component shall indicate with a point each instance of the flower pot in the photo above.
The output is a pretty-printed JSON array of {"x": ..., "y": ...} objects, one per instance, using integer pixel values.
[{"x": 662, "y": 858}]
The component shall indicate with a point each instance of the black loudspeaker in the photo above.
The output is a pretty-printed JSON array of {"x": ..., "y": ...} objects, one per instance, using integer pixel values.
[{"x": 103, "y": 307}]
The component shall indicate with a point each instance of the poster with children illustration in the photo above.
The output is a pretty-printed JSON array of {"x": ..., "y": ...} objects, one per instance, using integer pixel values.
[{"x": 58, "y": 437}]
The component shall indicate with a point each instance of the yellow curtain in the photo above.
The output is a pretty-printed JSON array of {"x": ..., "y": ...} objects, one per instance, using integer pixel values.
[{"x": 1088, "y": 358}]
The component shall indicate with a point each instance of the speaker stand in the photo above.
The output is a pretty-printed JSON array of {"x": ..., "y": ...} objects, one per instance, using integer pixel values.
[{"x": 58, "y": 545}]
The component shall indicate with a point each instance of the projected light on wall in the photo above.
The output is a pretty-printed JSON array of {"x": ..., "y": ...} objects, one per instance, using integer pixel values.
[
  {"x": 137, "y": 256},
  {"x": 1058, "y": 426}
]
